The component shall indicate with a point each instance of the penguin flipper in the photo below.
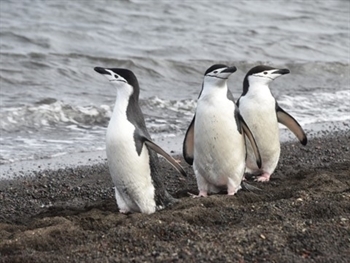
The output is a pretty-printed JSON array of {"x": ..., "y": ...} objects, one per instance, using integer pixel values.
[
  {"x": 287, "y": 120},
  {"x": 170, "y": 159},
  {"x": 188, "y": 144},
  {"x": 251, "y": 138}
]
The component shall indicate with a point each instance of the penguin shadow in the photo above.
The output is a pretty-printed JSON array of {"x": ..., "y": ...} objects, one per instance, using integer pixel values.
[
  {"x": 66, "y": 210},
  {"x": 182, "y": 190},
  {"x": 105, "y": 213}
]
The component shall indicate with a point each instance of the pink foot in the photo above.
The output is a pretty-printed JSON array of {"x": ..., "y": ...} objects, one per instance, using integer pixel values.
[
  {"x": 232, "y": 191},
  {"x": 123, "y": 211},
  {"x": 201, "y": 194},
  {"x": 265, "y": 177}
]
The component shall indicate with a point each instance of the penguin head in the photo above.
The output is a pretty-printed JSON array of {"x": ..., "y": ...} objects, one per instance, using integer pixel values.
[
  {"x": 263, "y": 74},
  {"x": 218, "y": 74},
  {"x": 124, "y": 79}
]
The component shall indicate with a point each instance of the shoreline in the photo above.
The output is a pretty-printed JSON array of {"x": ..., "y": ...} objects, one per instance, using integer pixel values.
[
  {"x": 70, "y": 215},
  {"x": 172, "y": 145}
]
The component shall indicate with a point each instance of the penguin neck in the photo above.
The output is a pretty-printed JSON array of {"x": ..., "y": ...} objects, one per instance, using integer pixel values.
[
  {"x": 261, "y": 90},
  {"x": 214, "y": 90},
  {"x": 121, "y": 104}
]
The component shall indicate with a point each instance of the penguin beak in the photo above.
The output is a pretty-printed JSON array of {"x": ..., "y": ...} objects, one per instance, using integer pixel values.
[
  {"x": 229, "y": 70},
  {"x": 101, "y": 70},
  {"x": 281, "y": 71}
]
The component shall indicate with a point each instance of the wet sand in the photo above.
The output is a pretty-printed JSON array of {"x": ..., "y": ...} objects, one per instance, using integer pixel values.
[{"x": 301, "y": 215}]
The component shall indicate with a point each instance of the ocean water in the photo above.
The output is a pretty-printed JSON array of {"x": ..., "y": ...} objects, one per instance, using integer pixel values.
[{"x": 53, "y": 103}]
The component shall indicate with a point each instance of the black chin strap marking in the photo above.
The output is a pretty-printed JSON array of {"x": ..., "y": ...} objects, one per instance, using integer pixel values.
[
  {"x": 263, "y": 77},
  {"x": 217, "y": 77}
]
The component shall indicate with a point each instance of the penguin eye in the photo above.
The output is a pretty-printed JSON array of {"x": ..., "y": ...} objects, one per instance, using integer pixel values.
[
  {"x": 265, "y": 72},
  {"x": 215, "y": 72},
  {"x": 116, "y": 76}
]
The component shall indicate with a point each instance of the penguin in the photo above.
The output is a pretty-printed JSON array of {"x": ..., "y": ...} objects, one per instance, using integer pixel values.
[
  {"x": 215, "y": 140},
  {"x": 262, "y": 113},
  {"x": 131, "y": 154}
]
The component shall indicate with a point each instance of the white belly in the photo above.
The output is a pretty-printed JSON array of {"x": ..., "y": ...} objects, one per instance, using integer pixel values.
[
  {"x": 130, "y": 172},
  {"x": 262, "y": 121},
  {"x": 219, "y": 150}
]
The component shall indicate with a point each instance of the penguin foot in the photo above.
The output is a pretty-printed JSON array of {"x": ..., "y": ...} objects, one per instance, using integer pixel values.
[
  {"x": 124, "y": 211},
  {"x": 251, "y": 175},
  {"x": 201, "y": 194},
  {"x": 231, "y": 190},
  {"x": 265, "y": 177}
]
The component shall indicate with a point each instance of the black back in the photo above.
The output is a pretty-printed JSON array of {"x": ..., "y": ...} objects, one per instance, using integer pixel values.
[
  {"x": 135, "y": 116},
  {"x": 236, "y": 112},
  {"x": 133, "y": 111}
]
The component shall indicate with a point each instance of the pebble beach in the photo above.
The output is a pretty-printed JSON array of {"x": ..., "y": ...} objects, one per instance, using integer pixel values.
[{"x": 301, "y": 215}]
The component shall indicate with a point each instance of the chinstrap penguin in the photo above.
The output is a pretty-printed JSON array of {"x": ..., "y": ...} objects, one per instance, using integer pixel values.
[
  {"x": 262, "y": 113},
  {"x": 132, "y": 161},
  {"x": 215, "y": 140}
]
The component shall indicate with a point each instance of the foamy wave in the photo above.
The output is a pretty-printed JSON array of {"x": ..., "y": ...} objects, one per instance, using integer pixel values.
[
  {"x": 186, "y": 107},
  {"x": 320, "y": 107},
  {"x": 159, "y": 114},
  {"x": 53, "y": 113},
  {"x": 162, "y": 115}
]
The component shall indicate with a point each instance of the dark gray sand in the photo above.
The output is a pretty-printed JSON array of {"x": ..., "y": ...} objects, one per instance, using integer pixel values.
[{"x": 301, "y": 215}]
